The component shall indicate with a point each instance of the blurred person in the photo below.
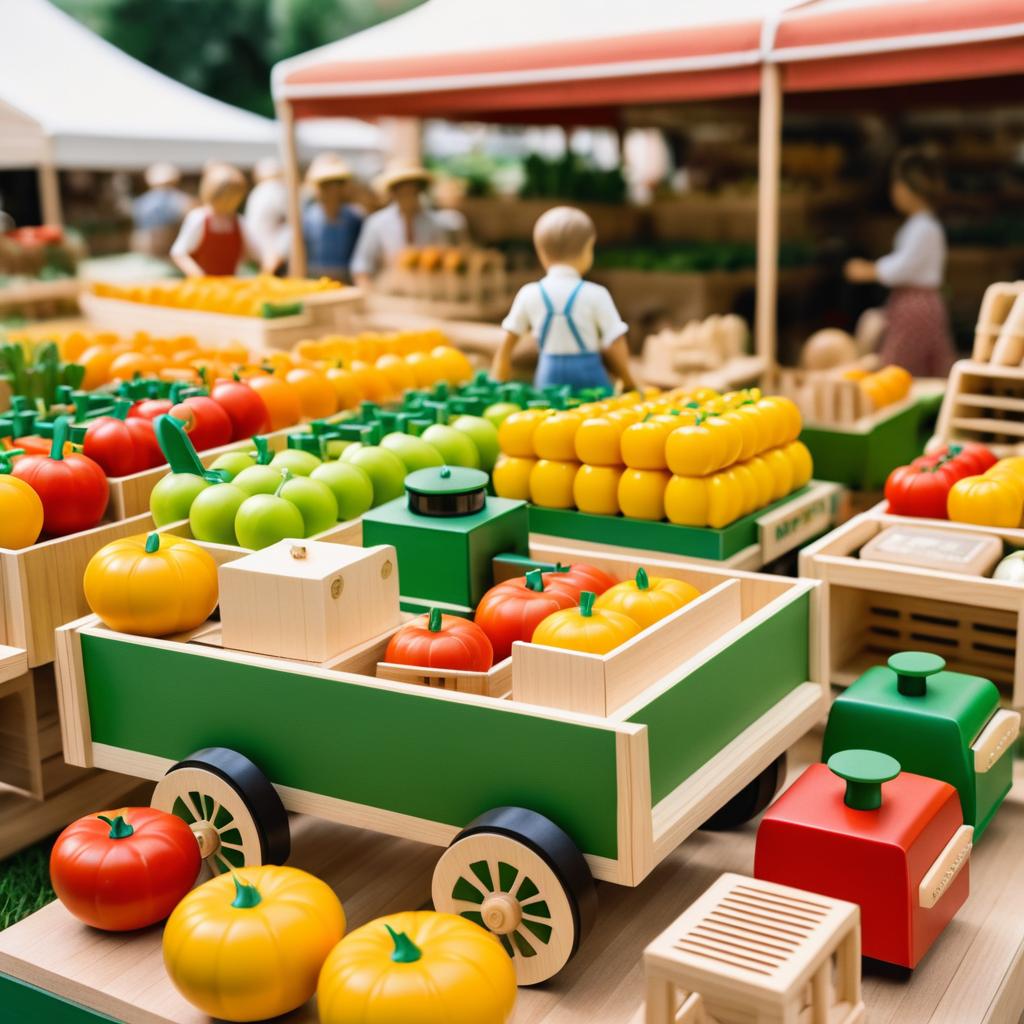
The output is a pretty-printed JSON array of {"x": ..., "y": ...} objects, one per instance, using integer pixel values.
[
  {"x": 266, "y": 212},
  {"x": 917, "y": 335},
  {"x": 158, "y": 212},
  {"x": 406, "y": 222},
  {"x": 331, "y": 224},
  {"x": 449, "y": 192},
  {"x": 214, "y": 239}
]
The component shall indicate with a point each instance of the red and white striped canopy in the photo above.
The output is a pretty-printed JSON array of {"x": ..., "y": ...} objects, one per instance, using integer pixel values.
[{"x": 517, "y": 59}]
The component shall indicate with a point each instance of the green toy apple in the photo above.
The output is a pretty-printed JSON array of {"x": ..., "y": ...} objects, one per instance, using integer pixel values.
[
  {"x": 233, "y": 463},
  {"x": 500, "y": 411},
  {"x": 314, "y": 500},
  {"x": 351, "y": 486},
  {"x": 172, "y": 497},
  {"x": 296, "y": 461},
  {"x": 1011, "y": 568},
  {"x": 456, "y": 448},
  {"x": 258, "y": 479},
  {"x": 264, "y": 519},
  {"x": 414, "y": 452},
  {"x": 213, "y": 512},
  {"x": 385, "y": 470},
  {"x": 484, "y": 434}
]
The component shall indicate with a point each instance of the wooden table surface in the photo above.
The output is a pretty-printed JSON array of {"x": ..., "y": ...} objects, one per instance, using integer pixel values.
[{"x": 974, "y": 974}]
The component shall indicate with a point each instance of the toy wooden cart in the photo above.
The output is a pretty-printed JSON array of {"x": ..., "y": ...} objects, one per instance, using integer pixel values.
[
  {"x": 984, "y": 402},
  {"x": 326, "y": 312},
  {"x": 602, "y": 775}
]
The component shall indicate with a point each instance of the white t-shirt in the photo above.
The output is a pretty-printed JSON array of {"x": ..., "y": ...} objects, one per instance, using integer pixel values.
[
  {"x": 383, "y": 237},
  {"x": 593, "y": 312},
  {"x": 194, "y": 224},
  {"x": 266, "y": 216},
  {"x": 918, "y": 257}
]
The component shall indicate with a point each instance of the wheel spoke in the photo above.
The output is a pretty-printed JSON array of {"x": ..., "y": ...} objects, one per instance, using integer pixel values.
[
  {"x": 195, "y": 802},
  {"x": 464, "y": 906}
]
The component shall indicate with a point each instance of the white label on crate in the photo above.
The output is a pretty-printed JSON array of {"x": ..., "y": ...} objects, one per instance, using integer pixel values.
[
  {"x": 929, "y": 546},
  {"x": 941, "y": 874}
]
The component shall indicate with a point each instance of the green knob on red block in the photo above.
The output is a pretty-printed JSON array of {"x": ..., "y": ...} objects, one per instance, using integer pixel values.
[
  {"x": 863, "y": 771},
  {"x": 912, "y": 670}
]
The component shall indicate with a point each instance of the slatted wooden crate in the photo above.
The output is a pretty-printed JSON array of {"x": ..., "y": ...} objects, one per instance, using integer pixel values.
[{"x": 984, "y": 402}]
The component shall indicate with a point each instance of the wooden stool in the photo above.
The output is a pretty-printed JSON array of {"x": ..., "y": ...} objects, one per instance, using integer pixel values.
[{"x": 751, "y": 952}]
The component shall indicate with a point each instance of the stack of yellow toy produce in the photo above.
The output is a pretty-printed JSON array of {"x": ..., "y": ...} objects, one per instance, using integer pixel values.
[{"x": 695, "y": 458}]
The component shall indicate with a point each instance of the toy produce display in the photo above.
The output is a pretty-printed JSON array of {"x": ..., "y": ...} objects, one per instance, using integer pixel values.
[
  {"x": 586, "y": 628},
  {"x": 882, "y": 387},
  {"x": 36, "y": 370},
  {"x": 441, "y": 641}
]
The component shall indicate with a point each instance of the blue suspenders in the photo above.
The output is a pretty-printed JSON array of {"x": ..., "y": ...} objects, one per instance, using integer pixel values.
[{"x": 550, "y": 314}]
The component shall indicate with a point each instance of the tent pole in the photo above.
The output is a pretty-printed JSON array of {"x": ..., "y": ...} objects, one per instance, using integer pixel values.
[
  {"x": 290, "y": 164},
  {"x": 49, "y": 193},
  {"x": 768, "y": 187}
]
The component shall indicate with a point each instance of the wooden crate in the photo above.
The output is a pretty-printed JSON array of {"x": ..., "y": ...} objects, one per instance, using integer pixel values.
[
  {"x": 40, "y": 299},
  {"x": 873, "y": 609},
  {"x": 323, "y": 313},
  {"x": 494, "y": 219},
  {"x": 41, "y": 586},
  {"x": 984, "y": 402}
]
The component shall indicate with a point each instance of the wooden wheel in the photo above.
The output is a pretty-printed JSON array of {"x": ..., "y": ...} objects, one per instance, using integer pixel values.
[
  {"x": 750, "y": 801},
  {"x": 233, "y": 810},
  {"x": 519, "y": 876}
]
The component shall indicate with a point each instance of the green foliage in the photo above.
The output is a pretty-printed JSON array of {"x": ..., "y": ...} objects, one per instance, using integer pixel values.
[
  {"x": 25, "y": 883},
  {"x": 570, "y": 177},
  {"x": 696, "y": 257}
]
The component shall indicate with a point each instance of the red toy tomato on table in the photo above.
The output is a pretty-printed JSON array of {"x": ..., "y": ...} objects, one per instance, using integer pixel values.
[
  {"x": 246, "y": 410},
  {"x": 72, "y": 488},
  {"x": 150, "y": 408},
  {"x": 121, "y": 445},
  {"x": 921, "y": 489},
  {"x": 512, "y": 610},
  {"x": 579, "y": 577},
  {"x": 206, "y": 423},
  {"x": 441, "y": 641},
  {"x": 124, "y": 869}
]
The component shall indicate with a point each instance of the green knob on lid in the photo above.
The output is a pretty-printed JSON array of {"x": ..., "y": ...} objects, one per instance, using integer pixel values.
[
  {"x": 864, "y": 771},
  {"x": 912, "y": 670}
]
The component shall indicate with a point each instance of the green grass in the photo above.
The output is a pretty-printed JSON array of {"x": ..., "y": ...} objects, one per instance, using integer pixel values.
[{"x": 25, "y": 883}]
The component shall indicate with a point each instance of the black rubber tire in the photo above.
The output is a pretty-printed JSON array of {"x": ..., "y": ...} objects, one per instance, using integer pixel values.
[
  {"x": 555, "y": 847},
  {"x": 750, "y": 801},
  {"x": 255, "y": 791}
]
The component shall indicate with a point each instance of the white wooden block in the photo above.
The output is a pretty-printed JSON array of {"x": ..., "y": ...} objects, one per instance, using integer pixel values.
[
  {"x": 972, "y": 554},
  {"x": 308, "y": 600}
]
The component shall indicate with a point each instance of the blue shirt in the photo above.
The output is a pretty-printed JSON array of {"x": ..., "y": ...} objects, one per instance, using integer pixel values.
[
  {"x": 330, "y": 243},
  {"x": 159, "y": 208}
]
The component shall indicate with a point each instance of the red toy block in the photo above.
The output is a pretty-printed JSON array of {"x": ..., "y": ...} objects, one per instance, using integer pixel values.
[{"x": 899, "y": 850}]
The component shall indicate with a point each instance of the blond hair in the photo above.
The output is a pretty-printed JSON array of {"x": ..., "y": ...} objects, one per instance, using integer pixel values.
[
  {"x": 218, "y": 179},
  {"x": 563, "y": 233}
]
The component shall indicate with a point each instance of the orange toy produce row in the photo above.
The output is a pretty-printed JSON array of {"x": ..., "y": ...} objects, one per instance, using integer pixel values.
[{"x": 884, "y": 387}]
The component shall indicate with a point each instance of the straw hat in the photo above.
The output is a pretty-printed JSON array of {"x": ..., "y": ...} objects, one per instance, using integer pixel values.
[
  {"x": 160, "y": 174},
  {"x": 400, "y": 171},
  {"x": 267, "y": 168},
  {"x": 327, "y": 167}
]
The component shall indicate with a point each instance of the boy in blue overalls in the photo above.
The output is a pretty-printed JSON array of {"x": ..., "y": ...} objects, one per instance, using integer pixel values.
[{"x": 580, "y": 335}]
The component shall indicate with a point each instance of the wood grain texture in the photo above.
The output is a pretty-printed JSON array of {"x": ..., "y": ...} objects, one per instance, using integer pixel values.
[{"x": 973, "y": 975}]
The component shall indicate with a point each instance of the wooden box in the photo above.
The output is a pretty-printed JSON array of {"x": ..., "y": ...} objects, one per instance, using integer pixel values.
[
  {"x": 873, "y": 609},
  {"x": 308, "y": 600},
  {"x": 984, "y": 402}
]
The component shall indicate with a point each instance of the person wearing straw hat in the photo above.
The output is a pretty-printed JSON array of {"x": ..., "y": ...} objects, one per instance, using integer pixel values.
[
  {"x": 404, "y": 223},
  {"x": 159, "y": 211},
  {"x": 330, "y": 223}
]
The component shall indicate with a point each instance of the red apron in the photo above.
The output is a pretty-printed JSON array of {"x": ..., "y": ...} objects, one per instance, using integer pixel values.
[{"x": 219, "y": 252}]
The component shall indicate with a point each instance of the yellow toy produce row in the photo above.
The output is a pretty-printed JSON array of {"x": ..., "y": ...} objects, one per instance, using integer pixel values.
[
  {"x": 884, "y": 387},
  {"x": 236, "y": 296},
  {"x": 689, "y": 434},
  {"x": 714, "y": 500},
  {"x": 995, "y": 498}
]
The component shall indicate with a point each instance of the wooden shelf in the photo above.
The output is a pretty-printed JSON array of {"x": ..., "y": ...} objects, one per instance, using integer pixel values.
[{"x": 974, "y": 975}]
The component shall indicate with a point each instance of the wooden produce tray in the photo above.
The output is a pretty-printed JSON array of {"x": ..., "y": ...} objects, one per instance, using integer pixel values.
[
  {"x": 329, "y": 312},
  {"x": 748, "y": 543},
  {"x": 52, "y": 968},
  {"x": 984, "y": 402},
  {"x": 39, "y": 298},
  {"x": 873, "y": 609}
]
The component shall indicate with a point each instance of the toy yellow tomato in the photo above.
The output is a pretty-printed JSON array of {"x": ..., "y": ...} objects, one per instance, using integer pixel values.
[
  {"x": 597, "y": 441},
  {"x": 551, "y": 483},
  {"x": 554, "y": 436},
  {"x": 21, "y": 511},
  {"x": 695, "y": 450},
  {"x": 985, "y": 501},
  {"x": 511, "y": 476},
  {"x": 247, "y": 947},
  {"x": 647, "y": 599},
  {"x": 749, "y": 426},
  {"x": 452, "y": 363},
  {"x": 596, "y": 489},
  {"x": 417, "y": 968},
  {"x": 641, "y": 493},
  {"x": 714, "y": 501},
  {"x": 515, "y": 435},
  {"x": 801, "y": 461},
  {"x": 746, "y": 485},
  {"x": 151, "y": 585},
  {"x": 782, "y": 472},
  {"x": 764, "y": 480},
  {"x": 643, "y": 444},
  {"x": 586, "y": 628}
]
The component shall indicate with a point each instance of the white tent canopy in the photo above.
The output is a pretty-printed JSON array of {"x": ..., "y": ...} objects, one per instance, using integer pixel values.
[{"x": 68, "y": 99}]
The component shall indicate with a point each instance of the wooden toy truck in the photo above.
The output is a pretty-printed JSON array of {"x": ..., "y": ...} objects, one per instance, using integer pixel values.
[{"x": 690, "y": 724}]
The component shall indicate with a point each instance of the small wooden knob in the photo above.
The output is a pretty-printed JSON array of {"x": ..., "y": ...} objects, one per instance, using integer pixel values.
[
  {"x": 501, "y": 913},
  {"x": 298, "y": 551}
]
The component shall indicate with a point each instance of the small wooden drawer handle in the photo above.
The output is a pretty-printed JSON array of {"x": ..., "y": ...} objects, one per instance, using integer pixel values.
[
  {"x": 995, "y": 739},
  {"x": 939, "y": 877}
]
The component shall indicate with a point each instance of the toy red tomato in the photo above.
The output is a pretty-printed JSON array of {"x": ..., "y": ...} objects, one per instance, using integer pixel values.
[
  {"x": 512, "y": 610},
  {"x": 579, "y": 577},
  {"x": 206, "y": 423},
  {"x": 121, "y": 445},
  {"x": 919, "y": 490},
  {"x": 441, "y": 641},
  {"x": 72, "y": 487},
  {"x": 124, "y": 869},
  {"x": 246, "y": 410},
  {"x": 150, "y": 408}
]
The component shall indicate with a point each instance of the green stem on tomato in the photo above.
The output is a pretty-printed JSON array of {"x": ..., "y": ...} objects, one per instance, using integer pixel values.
[
  {"x": 642, "y": 582},
  {"x": 263, "y": 452},
  {"x": 152, "y": 543},
  {"x": 7, "y": 458},
  {"x": 120, "y": 410},
  {"x": 406, "y": 951},
  {"x": 246, "y": 896},
  {"x": 535, "y": 580},
  {"x": 61, "y": 429},
  {"x": 119, "y": 828},
  {"x": 587, "y": 599},
  {"x": 434, "y": 620}
]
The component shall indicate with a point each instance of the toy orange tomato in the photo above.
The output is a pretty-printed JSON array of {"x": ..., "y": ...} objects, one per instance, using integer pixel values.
[
  {"x": 280, "y": 398},
  {"x": 551, "y": 483},
  {"x": 398, "y": 372},
  {"x": 441, "y": 641},
  {"x": 641, "y": 493},
  {"x": 417, "y": 968},
  {"x": 586, "y": 628},
  {"x": 21, "y": 511},
  {"x": 124, "y": 869},
  {"x": 647, "y": 599},
  {"x": 347, "y": 392},
  {"x": 248, "y": 946},
  {"x": 596, "y": 489},
  {"x": 315, "y": 392}
]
